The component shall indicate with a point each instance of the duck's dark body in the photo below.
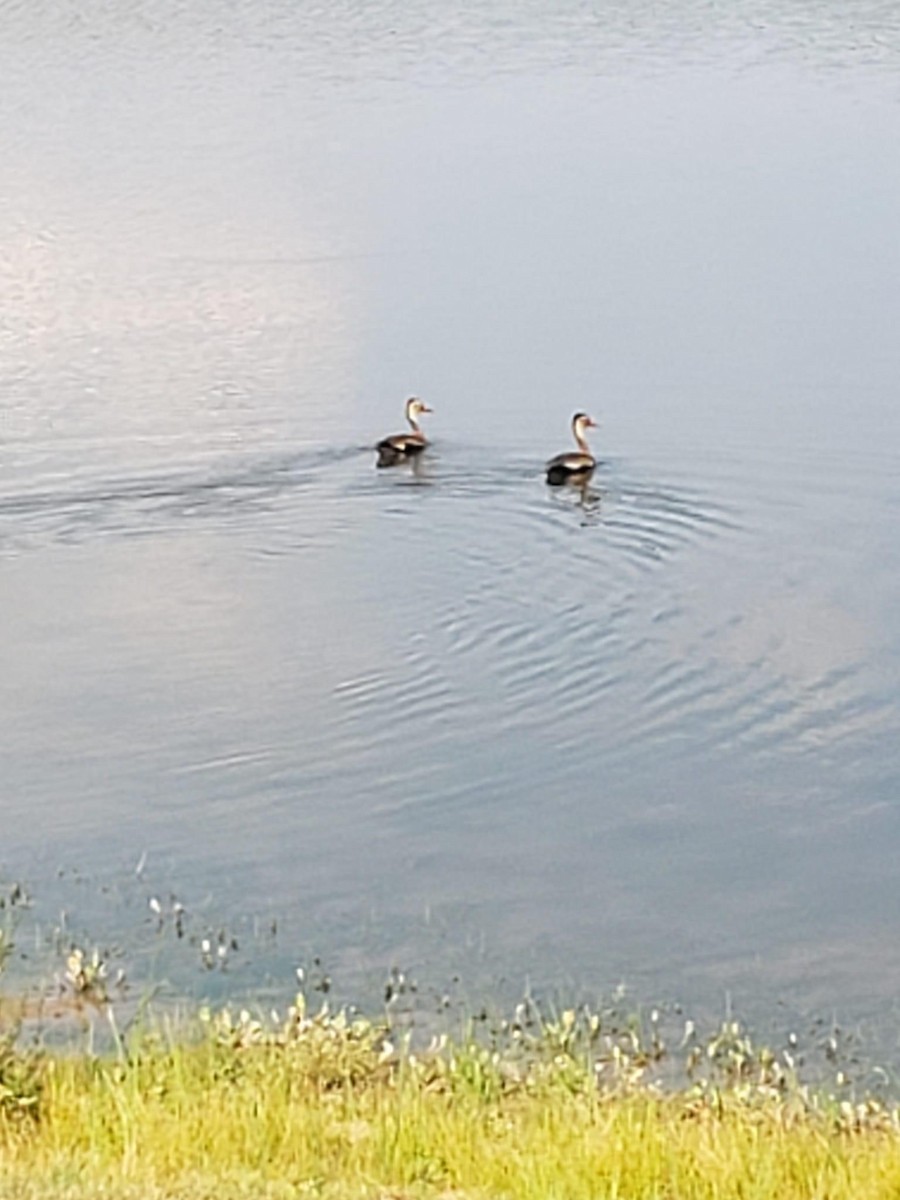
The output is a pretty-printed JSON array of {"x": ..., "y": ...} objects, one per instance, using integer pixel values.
[
  {"x": 399, "y": 447},
  {"x": 575, "y": 465},
  {"x": 566, "y": 467}
]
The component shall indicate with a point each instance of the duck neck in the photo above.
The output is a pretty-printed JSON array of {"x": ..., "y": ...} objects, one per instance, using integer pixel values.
[
  {"x": 414, "y": 424},
  {"x": 580, "y": 439}
]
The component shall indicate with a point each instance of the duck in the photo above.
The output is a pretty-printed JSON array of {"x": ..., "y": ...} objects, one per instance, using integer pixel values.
[
  {"x": 401, "y": 447},
  {"x": 575, "y": 465}
]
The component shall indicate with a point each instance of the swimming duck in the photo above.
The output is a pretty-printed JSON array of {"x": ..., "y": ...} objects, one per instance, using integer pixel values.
[
  {"x": 400, "y": 447},
  {"x": 575, "y": 464}
]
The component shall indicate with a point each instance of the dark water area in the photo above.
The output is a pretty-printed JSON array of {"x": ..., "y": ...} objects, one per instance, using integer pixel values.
[{"x": 449, "y": 718}]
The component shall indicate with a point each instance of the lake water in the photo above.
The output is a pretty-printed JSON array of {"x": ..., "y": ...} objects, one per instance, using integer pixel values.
[{"x": 451, "y": 719}]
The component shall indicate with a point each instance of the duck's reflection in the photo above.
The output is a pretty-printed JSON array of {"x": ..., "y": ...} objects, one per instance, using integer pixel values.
[{"x": 579, "y": 493}]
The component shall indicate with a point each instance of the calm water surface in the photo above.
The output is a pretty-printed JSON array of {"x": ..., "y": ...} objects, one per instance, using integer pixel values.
[{"x": 449, "y": 718}]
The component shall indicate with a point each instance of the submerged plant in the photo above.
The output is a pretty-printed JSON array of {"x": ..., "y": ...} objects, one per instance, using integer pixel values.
[{"x": 13, "y": 899}]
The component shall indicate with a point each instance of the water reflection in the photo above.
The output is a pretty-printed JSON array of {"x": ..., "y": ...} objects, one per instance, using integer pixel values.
[
  {"x": 585, "y": 494},
  {"x": 644, "y": 726}
]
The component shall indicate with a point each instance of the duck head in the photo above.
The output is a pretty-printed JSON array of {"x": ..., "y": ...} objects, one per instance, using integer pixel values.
[{"x": 415, "y": 407}]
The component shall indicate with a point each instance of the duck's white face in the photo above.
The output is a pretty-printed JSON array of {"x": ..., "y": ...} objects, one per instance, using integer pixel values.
[
  {"x": 414, "y": 407},
  {"x": 582, "y": 422}
]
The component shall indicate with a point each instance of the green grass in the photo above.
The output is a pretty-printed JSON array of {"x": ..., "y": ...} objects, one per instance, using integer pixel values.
[{"x": 327, "y": 1106}]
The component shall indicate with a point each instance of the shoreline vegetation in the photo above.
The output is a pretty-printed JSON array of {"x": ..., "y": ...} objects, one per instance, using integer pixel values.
[
  {"x": 578, "y": 1103},
  {"x": 103, "y": 1096}
]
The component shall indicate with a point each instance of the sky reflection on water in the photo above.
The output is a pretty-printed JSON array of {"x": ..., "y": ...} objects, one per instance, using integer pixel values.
[{"x": 451, "y": 716}]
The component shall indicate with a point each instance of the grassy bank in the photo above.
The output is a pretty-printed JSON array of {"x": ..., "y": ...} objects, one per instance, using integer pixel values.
[{"x": 327, "y": 1106}]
